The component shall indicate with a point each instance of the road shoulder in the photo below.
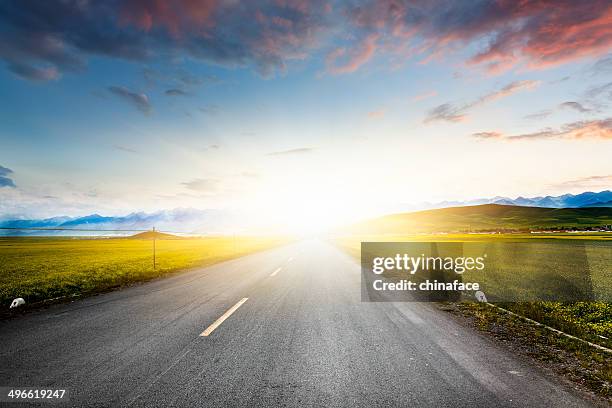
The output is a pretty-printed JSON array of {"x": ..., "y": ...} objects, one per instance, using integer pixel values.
[{"x": 581, "y": 367}]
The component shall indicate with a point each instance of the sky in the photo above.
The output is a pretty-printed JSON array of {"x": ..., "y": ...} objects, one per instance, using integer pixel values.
[{"x": 299, "y": 112}]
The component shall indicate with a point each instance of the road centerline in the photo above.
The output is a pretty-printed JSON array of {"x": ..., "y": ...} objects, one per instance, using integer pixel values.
[
  {"x": 275, "y": 272},
  {"x": 220, "y": 320}
]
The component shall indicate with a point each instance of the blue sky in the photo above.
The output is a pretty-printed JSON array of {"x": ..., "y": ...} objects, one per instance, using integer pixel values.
[{"x": 281, "y": 108}]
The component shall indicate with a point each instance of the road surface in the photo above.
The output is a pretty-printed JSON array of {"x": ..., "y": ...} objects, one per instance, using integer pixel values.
[{"x": 301, "y": 338}]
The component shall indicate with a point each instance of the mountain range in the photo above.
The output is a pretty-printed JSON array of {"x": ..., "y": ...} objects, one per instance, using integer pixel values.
[
  {"x": 190, "y": 220},
  {"x": 586, "y": 199},
  {"x": 186, "y": 220}
]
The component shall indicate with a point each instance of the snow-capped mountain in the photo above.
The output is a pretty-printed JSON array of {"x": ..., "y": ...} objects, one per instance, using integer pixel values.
[{"x": 187, "y": 220}]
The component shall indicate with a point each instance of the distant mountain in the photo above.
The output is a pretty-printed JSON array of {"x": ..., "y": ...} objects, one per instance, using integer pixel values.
[
  {"x": 48, "y": 222},
  {"x": 606, "y": 204},
  {"x": 587, "y": 199},
  {"x": 181, "y": 220},
  {"x": 486, "y": 217},
  {"x": 194, "y": 221}
]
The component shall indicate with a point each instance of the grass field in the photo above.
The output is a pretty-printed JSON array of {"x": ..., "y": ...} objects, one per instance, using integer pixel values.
[
  {"x": 567, "y": 257},
  {"x": 488, "y": 217},
  {"x": 44, "y": 268},
  {"x": 589, "y": 320}
]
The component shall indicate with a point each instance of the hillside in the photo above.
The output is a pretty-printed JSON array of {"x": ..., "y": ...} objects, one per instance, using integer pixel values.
[
  {"x": 485, "y": 217},
  {"x": 156, "y": 235}
]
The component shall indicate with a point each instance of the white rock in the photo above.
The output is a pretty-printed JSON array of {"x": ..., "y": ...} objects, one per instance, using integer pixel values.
[
  {"x": 480, "y": 296},
  {"x": 17, "y": 302}
]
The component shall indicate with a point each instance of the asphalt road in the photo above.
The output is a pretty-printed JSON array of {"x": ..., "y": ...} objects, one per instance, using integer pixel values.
[{"x": 303, "y": 338}]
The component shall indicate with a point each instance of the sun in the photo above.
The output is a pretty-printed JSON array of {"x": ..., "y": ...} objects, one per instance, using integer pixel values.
[{"x": 307, "y": 212}]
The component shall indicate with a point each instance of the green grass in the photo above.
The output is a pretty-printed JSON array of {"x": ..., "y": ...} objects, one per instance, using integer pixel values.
[
  {"x": 556, "y": 252},
  {"x": 585, "y": 365},
  {"x": 567, "y": 255},
  {"x": 44, "y": 268},
  {"x": 591, "y": 321},
  {"x": 484, "y": 218}
]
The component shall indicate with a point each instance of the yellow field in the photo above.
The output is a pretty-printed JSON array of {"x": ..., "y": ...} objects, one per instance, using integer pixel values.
[{"x": 44, "y": 268}]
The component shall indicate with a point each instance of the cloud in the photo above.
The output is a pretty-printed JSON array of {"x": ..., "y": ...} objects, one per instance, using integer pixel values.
[
  {"x": 176, "y": 92},
  {"x": 125, "y": 149},
  {"x": 446, "y": 112},
  {"x": 603, "y": 66},
  {"x": 202, "y": 185},
  {"x": 33, "y": 73},
  {"x": 560, "y": 80},
  {"x": 456, "y": 113},
  {"x": 582, "y": 130},
  {"x": 189, "y": 79},
  {"x": 173, "y": 17},
  {"x": 341, "y": 61},
  {"x": 177, "y": 78},
  {"x": 4, "y": 180},
  {"x": 376, "y": 114},
  {"x": 250, "y": 175},
  {"x": 210, "y": 109},
  {"x": 539, "y": 115},
  {"x": 139, "y": 100},
  {"x": 507, "y": 90},
  {"x": 590, "y": 182},
  {"x": 210, "y": 147},
  {"x": 300, "y": 150},
  {"x": 532, "y": 33},
  {"x": 424, "y": 95},
  {"x": 487, "y": 135},
  {"x": 43, "y": 39},
  {"x": 600, "y": 91},
  {"x": 575, "y": 106}
]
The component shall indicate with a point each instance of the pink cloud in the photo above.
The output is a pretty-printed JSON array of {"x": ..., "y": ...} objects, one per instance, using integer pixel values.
[
  {"x": 583, "y": 130},
  {"x": 176, "y": 16},
  {"x": 565, "y": 32},
  {"x": 530, "y": 34},
  {"x": 376, "y": 114},
  {"x": 488, "y": 135},
  {"x": 533, "y": 33},
  {"x": 354, "y": 58},
  {"x": 424, "y": 95},
  {"x": 450, "y": 112}
]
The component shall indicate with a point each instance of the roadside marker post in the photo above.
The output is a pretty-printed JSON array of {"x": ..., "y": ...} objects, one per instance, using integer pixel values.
[{"x": 153, "y": 248}]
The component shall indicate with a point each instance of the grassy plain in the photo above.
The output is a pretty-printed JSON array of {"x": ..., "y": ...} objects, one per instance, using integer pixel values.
[{"x": 46, "y": 268}]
